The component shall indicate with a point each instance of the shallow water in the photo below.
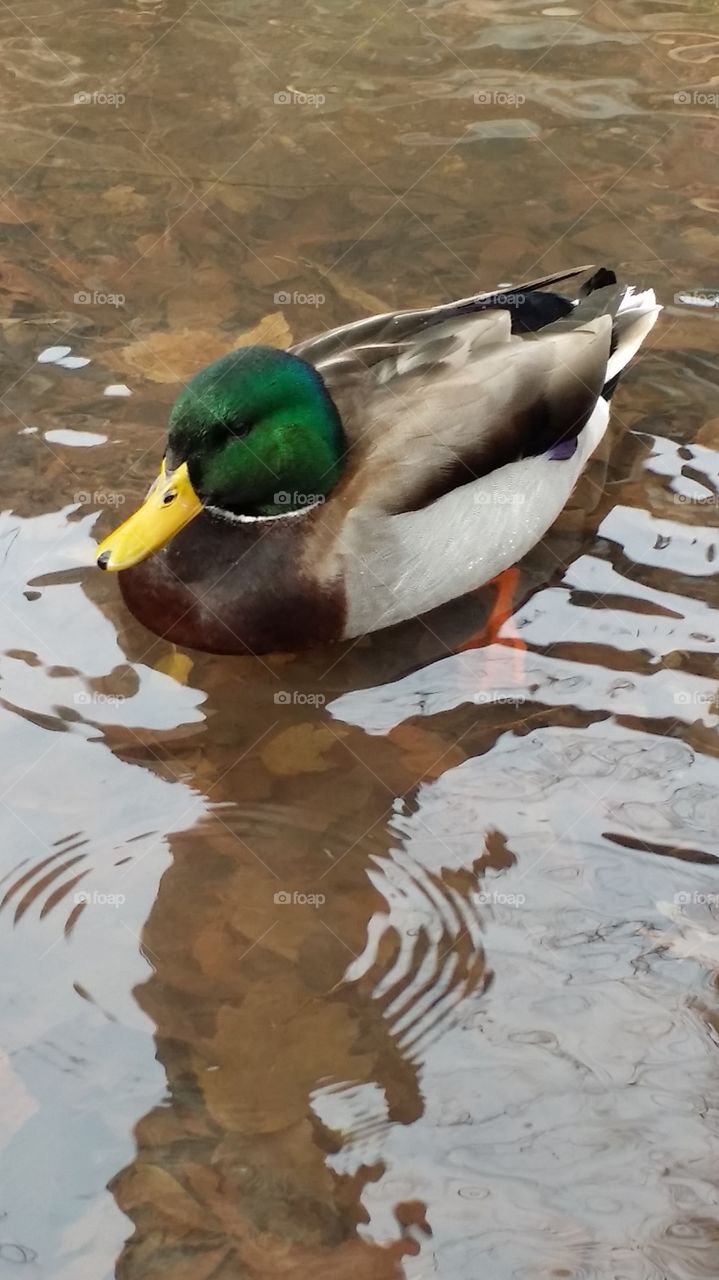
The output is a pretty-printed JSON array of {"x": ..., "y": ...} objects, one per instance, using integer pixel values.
[{"x": 480, "y": 1038}]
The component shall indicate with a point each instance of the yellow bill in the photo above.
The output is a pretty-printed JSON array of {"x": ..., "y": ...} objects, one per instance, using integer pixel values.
[{"x": 168, "y": 507}]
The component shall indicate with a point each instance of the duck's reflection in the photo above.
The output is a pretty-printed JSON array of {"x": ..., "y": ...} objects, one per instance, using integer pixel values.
[{"x": 300, "y": 969}]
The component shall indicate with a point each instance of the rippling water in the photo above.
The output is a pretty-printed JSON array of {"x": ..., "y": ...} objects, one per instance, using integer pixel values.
[{"x": 397, "y": 959}]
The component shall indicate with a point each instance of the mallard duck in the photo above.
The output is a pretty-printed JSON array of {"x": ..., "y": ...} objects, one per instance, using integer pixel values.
[{"x": 377, "y": 471}]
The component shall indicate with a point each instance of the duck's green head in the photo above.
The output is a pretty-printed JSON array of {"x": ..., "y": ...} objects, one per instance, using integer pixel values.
[{"x": 255, "y": 434}]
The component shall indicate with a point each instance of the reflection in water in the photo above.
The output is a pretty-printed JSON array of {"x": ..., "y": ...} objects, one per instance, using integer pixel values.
[
  {"x": 479, "y": 1039},
  {"x": 273, "y": 1061}
]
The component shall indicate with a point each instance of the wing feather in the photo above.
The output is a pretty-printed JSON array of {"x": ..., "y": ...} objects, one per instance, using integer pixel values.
[
  {"x": 437, "y": 398},
  {"x": 416, "y": 438}
]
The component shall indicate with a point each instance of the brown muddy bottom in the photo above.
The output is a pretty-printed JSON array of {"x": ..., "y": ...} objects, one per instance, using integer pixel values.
[{"x": 395, "y": 960}]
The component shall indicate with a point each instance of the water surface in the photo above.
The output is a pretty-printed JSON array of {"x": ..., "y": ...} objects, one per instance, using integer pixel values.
[{"x": 399, "y": 959}]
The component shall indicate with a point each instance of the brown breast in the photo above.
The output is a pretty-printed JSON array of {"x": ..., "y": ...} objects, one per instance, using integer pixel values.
[{"x": 234, "y": 588}]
